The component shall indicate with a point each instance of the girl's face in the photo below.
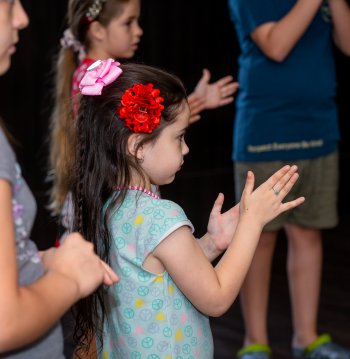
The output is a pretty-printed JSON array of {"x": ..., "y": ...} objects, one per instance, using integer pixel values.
[
  {"x": 12, "y": 19},
  {"x": 122, "y": 35},
  {"x": 163, "y": 158}
]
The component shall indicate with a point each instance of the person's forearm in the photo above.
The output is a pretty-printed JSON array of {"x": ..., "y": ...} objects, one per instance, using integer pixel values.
[
  {"x": 208, "y": 247},
  {"x": 282, "y": 36},
  {"x": 28, "y": 312},
  {"x": 340, "y": 12}
]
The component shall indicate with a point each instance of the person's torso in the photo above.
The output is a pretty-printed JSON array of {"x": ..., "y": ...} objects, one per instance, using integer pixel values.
[
  {"x": 149, "y": 317},
  {"x": 284, "y": 110}
]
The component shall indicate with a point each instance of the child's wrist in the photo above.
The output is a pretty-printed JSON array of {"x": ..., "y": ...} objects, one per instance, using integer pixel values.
[
  {"x": 251, "y": 221},
  {"x": 69, "y": 285}
]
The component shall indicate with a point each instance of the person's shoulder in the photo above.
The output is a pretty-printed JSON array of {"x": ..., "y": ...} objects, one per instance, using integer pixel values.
[
  {"x": 169, "y": 204},
  {"x": 170, "y": 209},
  {"x": 5, "y": 147}
]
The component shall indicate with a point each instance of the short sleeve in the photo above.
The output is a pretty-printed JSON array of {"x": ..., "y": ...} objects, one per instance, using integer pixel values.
[
  {"x": 7, "y": 159},
  {"x": 164, "y": 220},
  {"x": 247, "y": 15},
  {"x": 138, "y": 230}
]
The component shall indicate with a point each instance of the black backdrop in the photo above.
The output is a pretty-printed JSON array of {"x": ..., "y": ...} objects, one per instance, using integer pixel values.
[{"x": 181, "y": 36}]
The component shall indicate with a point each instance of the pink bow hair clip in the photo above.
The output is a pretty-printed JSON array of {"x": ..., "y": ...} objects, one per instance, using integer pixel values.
[{"x": 101, "y": 73}]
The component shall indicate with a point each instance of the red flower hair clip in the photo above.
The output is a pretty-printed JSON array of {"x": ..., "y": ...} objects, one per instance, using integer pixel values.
[{"x": 141, "y": 108}]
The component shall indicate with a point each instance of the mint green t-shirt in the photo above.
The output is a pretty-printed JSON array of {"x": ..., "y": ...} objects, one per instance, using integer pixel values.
[{"x": 148, "y": 317}]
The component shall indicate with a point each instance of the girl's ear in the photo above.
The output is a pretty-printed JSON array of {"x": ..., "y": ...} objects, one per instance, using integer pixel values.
[
  {"x": 96, "y": 31},
  {"x": 133, "y": 146}
]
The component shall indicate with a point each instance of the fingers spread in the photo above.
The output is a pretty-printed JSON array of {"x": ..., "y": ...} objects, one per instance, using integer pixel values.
[{"x": 224, "y": 81}]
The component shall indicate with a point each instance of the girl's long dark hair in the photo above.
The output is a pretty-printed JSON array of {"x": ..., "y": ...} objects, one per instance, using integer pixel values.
[{"x": 102, "y": 163}]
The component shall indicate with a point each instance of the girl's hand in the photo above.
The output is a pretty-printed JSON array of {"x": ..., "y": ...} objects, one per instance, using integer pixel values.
[
  {"x": 196, "y": 106},
  {"x": 265, "y": 203},
  {"x": 216, "y": 94},
  {"x": 222, "y": 226}
]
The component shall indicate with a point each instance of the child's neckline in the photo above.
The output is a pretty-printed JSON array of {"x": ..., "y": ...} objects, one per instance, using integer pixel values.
[{"x": 141, "y": 189}]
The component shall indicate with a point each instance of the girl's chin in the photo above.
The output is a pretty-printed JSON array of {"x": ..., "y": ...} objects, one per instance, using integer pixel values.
[{"x": 4, "y": 65}]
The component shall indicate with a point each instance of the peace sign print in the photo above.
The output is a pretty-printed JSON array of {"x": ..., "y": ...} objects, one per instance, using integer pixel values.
[
  {"x": 129, "y": 285},
  {"x": 177, "y": 304},
  {"x": 148, "y": 210},
  {"x": 126, "y": 228},
  {"x": 129, "y": 313},
  {"x": 157, "y": 304},
  {"x": 153, "y": 328},
  {"x": 194, "y": 341},
  {"x": 145, "y": 315},
  {"x": 132, "y": 342},
  {"x": 120, "y": 242},
  {"x": 188, "y": 331},
  {"x": 143, "y": 276},
  {"x": 142, "y": 291},
  {"x": 158, "y": 214},
  {"x": 135, "y": 355},
  {"x": 153, "y": 356},
  {"x": 125, "y": 328},
  {"x": 155, "y": 230},
  {"x": 126, "y": 272},
  {"x": 167, "y": 332},
  {"x": 147, "y": 342},
  {"x": 163, "y": 346},
  {"x": 186, "y": 349}
]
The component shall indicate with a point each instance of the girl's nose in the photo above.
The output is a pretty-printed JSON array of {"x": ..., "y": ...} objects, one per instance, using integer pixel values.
[
  {"x": 20, "y": 17},
  {"x": 139, "y": 30},
  {"x": 185, "y": 149}
]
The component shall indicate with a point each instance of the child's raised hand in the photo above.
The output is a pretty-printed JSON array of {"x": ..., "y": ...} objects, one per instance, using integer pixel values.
[
  {"x": 216, "y": 94},
  {"x": 265, "y": 203},
  {"x": 196, "y": 106},
  {"x": 222, "y": 226}
]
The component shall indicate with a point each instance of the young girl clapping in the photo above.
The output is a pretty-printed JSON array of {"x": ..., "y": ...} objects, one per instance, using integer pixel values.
[{"x": 130, "y": 136}]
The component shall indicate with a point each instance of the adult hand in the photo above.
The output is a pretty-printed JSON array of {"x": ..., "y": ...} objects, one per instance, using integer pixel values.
[{"x": 76, "y": 259}]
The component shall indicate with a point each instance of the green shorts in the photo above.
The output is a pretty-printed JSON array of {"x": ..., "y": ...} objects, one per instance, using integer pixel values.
[{"x": 318, "y": 183}]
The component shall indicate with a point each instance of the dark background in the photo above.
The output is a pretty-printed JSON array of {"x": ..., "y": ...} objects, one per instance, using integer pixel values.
[{"x": 183, "y": 37}]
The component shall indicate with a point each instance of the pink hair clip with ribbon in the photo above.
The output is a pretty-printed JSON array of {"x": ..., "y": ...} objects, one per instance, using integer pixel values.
[{"x": 100, "y": 74}]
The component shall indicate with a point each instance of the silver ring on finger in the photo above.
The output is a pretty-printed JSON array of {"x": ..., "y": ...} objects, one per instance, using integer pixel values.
[{"x": 275, "y": 191}]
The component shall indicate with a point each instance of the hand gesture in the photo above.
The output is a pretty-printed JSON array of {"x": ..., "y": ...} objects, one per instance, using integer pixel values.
[
  {"x": 222, "y": 226},
  {"x": 265, "y": 203},
  {"x": 216, "y": 94},
  {"x": 76, "y": 260},
  {"x": 196, "y": 106}
]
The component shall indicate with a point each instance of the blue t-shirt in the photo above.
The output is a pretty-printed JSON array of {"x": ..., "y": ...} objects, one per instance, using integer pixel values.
[
  {"x": 284, "y": 110},
  {"x": 148, "y": 317}
]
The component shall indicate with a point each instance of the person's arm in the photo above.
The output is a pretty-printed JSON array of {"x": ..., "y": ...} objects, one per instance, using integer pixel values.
[
  {"x": 340, "y": 12},
  {"x": 277, "y": 39},
  {"x": 213, "y": 290},
  {"x": 73, "y": 271}
]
